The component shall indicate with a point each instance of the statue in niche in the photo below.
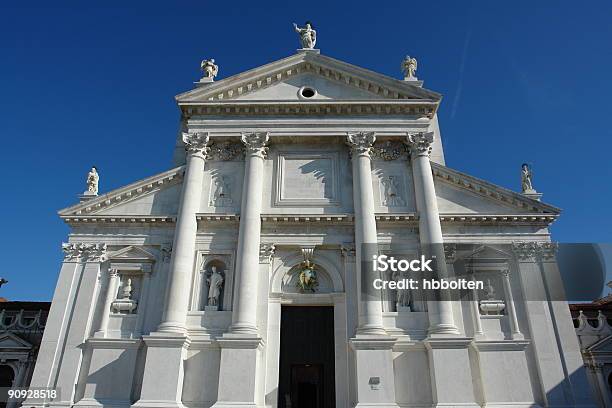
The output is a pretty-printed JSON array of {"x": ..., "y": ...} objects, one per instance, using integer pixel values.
[
  {"x": 92, "y": 181},
  {"x": 222, "y": 196},
  {"x": 526, "y": 176},
  {"x": 209, "y": 68},
  {"x": 308, "y": 36},
  {"x": 409, "y": 67},
  {"x": 403, "y": 296},
  {"x": 215, "y": 285},
  {"x": 392, "y": 198}
]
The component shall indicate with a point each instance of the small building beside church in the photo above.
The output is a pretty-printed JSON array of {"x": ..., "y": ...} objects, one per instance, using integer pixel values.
[
  {"x": 21, "y": 331},
  {"x": 237, "y": 277}
]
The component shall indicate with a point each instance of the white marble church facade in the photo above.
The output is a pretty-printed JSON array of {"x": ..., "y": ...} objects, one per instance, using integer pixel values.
[{"x": 307, "y": 157}]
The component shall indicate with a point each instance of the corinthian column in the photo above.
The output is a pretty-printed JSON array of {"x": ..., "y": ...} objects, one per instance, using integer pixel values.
[
  {"x": 244, "y": 315},
  {"x": 430, "y": 231},
  {"x": 181, "y": 263},
  {"x": 370, "y": 307}
]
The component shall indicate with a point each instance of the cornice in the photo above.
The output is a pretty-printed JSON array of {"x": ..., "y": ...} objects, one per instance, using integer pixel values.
[
  {"x": 497, "y": 219},
  {"x": 491, "y": 191},
  {"x": 418, "y": 109},
  {"x": 118, "y": 219},
  {"x": 125, "y": 194},
  {"x": 346, "y": 219}
]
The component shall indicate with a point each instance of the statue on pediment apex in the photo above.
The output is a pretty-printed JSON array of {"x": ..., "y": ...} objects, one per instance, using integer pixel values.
[{"x": 308, "y": 36}]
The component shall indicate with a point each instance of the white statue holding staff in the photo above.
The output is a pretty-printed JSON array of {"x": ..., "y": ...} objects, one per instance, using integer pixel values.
[
  {"x": 526, "y": 176},
  {"x": 215, "y": 284},
  {"x": 308, "y": 36}
]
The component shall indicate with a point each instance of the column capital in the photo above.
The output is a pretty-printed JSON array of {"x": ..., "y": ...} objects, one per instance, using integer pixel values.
[
  {"x": 547, "y": 250},
  {"x": 530, "y": 251},
  {"x": 420, "y": 143},
  {"x": 524, "y": 251},
  {"x": 196, "y": 143},
  {"x": 255, "y": 143},
  {"x": 360, "y": 143},
  {"x": 450, "y": 251},
  {"x": 266, "y": 252},
  {"x": 84, "y": 252}
]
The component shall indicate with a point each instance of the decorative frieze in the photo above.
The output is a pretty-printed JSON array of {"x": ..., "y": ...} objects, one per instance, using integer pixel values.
[
  {"x": 84, "y": 252},
  {"x": 226, "y": 151},
  {"x": 389, "y": 150}
]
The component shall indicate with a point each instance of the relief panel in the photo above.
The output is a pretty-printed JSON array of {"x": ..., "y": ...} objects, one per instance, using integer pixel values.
[{"x": 307, "y": 179}]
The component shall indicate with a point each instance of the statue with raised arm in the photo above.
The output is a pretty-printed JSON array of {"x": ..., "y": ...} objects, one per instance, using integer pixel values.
[
  {"x": 308, "y": 36},
  {"x": 526, "y": 176},
  {"x": 409, "y": 67},
  {"x": 209, "y": 68},
  {"x": 92, "y": 181}
]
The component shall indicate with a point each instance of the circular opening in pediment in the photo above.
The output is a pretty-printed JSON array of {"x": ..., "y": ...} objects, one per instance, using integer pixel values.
[{"x": 307, "y": 92}]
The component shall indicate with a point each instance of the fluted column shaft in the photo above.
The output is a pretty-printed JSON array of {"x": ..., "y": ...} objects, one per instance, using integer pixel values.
[
  {"x": 440, "y": 312},
  {"x": 183, "y": 253},
  {"x": 510, "y": 308},
  {"x": 370, "y": 306},
  {"x": 244, "y": 316},
  {"x": 111, "y": 290}
]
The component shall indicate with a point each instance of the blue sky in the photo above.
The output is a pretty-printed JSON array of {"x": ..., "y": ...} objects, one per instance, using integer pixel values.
[{"x": 87, "y": 84}]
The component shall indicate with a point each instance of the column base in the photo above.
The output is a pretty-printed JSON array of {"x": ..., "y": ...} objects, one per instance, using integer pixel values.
[
  {"x": 241, "y": 363},
  {"x": 94, "y": 403},
  {"x": 162, "y": 383},
  {"x": 169, "y": 328},
  {"x": 451, "y": 373},
  {"x": 443, "y": 330},
  {"x": 374, "y": 366},
  {"x": 157, "y": 404}
]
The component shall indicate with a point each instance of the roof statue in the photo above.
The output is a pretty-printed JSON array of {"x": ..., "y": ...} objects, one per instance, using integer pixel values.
[
  {"x": 92, "y": 181},
  {"x": 526, "y": 176},
  {"x": 409, "y": 67},
  {"x": 209, "y": 69},
  {"x": 308, "y": 36}
]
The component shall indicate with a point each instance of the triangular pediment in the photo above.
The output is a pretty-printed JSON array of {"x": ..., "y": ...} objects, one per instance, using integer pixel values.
[
  {"x": 486, "y": 253},
  {"x": 132, "y": 253},
  {"x": 153, "y": 196},
  {"x": 602, "y": 346},
  {"x": 11, "y": 341},
  {"x": 461, "y": 194},
  {"x": 330, "y": 78}
]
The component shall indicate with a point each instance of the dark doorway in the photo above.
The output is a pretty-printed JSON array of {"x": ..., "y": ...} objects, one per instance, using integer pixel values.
[
  {"x": 306, "y": 374},
  {"x": 7, "y": 376}
]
